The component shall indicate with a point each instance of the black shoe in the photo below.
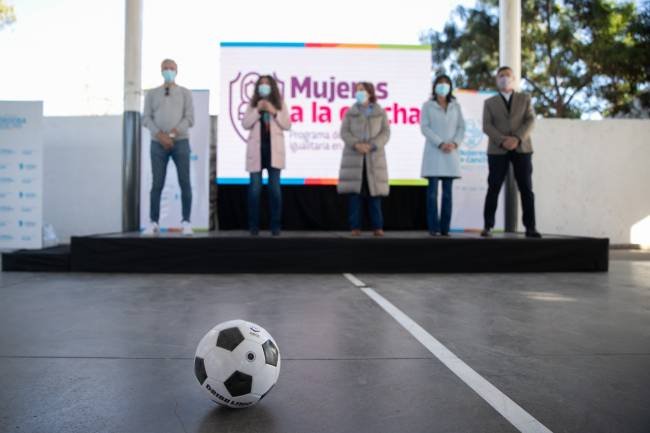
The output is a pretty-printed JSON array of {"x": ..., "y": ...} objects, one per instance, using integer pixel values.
[
  {"x": 486, "y": 233},
  {"x": 444, "y": 234},
  {"x": 533, "y": 234},
  {"x": 434, "y": 234}
]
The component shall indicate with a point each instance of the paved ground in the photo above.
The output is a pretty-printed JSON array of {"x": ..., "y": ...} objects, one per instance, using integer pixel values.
[{"x": 114, "y": 353}]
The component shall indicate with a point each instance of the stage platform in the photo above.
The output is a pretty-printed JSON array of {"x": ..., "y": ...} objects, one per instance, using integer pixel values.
[{"x": 317, "y": 252}]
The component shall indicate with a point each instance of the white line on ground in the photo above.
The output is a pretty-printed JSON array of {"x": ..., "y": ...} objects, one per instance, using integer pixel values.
[
  {"x": 511, "y": 411},
  {"x": 354, "y": 280}
]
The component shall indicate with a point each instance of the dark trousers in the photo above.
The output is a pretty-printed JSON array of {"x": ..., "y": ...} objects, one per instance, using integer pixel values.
[
  {"x": 180, "y": 153},
  {"x": 275, "y": 200},
  {"x": 522, "y": 165},
  {"x": 439, "y": 224},
  {"x": 374, "y": 207}
]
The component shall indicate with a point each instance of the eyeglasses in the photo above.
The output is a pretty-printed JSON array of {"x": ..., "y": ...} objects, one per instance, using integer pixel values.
[{"x": 166, "y": 91}]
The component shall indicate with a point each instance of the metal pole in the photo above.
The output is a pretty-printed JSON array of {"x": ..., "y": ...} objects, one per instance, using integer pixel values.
[
  {"x": 131, "y": 120},
  {"x": 510, "y": 55}
]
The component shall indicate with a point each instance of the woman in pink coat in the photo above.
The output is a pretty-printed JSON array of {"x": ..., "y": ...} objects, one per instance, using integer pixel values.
[{"x": 267, "y": 117}]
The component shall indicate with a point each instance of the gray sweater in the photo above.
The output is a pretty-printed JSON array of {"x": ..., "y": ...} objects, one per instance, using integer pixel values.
[{"x": 164, "y": 113}]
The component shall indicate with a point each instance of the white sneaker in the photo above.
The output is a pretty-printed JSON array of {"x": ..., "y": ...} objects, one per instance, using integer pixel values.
[
  {"x": 187, "y": 228},
  {"x": 151, "y": 229}
]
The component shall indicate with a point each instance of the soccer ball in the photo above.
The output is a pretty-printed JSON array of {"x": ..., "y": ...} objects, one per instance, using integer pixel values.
[{"x": 237, "y": 363}]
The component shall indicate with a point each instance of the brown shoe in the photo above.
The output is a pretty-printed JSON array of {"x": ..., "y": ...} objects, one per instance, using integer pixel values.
[
  {"x": 379, "y": 233},
  {"x": 356, "y": 232}
]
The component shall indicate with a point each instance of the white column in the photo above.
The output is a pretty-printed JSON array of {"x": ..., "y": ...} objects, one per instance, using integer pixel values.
[
  {"x": 510, "y": 36},
  {"x": 510, "y": 55},
  {"x": 131, "y": 120},
  {"x": 133, "y": 56}
]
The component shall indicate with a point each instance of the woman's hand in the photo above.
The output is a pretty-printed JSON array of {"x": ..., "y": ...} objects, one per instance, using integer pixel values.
[
  {"x": 362, "y": 147},
  {"x": 264, "y": 105}
]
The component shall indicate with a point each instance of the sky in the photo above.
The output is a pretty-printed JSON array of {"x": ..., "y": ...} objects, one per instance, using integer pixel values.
[{"x": 69, "y": 53}]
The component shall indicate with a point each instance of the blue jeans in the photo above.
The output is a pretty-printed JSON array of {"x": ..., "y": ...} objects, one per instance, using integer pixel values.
[
  {"x": 435, "y": 224},
  {"x": 374, "y": 207},
  {"x": 275, "y": 200},
  {"x": 180, "y": 153}
]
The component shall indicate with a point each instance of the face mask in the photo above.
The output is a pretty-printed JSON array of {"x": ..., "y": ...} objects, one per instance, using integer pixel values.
[
  {"x": 361, "y": 96},
  {"x": 503, "y": 82},
  {"x": 442, "y": 89},
  {"x": 264, "y": 90},
  {"x": 169, "y": 75}
]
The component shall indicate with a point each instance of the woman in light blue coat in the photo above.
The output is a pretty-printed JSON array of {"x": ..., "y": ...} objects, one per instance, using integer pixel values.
[{"x": 443, "y": 126}]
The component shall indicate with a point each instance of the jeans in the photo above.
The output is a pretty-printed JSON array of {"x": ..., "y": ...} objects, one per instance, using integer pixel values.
[
  {"x": 275, "y": 200},
  {"x": 523, "y": 168},
  {"x": 374, "y": 207},
  {"x": 435, "y": 224},
  {"x": 180, "y": 153}
]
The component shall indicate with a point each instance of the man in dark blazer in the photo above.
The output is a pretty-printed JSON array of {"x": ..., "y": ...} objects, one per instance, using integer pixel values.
[{"x": 508, "y": 120}]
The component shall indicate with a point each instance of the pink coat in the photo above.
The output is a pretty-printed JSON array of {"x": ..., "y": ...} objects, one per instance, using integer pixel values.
[{"x": 280, "y": 123}]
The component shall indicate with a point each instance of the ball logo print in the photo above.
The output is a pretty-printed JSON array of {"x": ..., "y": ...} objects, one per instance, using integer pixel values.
[
  {"x": 235, "y": 366},
  {"x": 240, "y": 93}
]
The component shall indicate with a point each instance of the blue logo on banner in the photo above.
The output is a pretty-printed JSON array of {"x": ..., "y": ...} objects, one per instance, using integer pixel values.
[
  {"x": 27, "y": 181},
  {"x": 26, "y": 209},
  {"x": 27, "y": 195},
  {"x": 6, "y": 238},
  {"x": 4, "y": 151},
  {"x": 6, "y": 209},
  {"x": 24, "y": 166},
  {"x": 6, "y": 180},
  {"x": 26, "y": 224},
  {"x": 28, "y": 152},
  {"x": 12, "y": 122}
]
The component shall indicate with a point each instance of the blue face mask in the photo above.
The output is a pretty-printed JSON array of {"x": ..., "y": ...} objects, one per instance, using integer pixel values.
[
  {"x": 442, "y": 89},
  {"x": 169, "y": 75},
  {"x": 264, "y": 90},
  {"x": 361, "y": 96}
]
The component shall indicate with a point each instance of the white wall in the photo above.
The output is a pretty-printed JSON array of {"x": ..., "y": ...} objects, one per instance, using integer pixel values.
[
  {"x": 590, "y": 178},
  {"x": 82, "y": 182}
]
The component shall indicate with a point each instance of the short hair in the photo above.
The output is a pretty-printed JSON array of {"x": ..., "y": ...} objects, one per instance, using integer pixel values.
[
  {"x": 168, "y": 61},
  {"x": 504, "y": 68}
]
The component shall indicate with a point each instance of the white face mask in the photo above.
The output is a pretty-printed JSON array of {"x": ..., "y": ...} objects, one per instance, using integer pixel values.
[{"x": 504, "y": 82}]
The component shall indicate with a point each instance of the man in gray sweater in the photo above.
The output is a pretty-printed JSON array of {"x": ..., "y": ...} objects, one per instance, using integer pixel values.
[{"x": 169, "y": 114}]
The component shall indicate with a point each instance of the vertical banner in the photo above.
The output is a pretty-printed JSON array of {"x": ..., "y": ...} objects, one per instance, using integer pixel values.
[
  {"x": 170, "y": 201},
  {"x": 21, "y": 174},
  {"x": 318, "y": 85},
  {"x": 469, "y": 191}
]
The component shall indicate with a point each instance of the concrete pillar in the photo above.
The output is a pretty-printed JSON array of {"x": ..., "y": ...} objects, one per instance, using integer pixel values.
[
  {"x": 131, "y": 120},
  {"x": 510, "y": 55}
]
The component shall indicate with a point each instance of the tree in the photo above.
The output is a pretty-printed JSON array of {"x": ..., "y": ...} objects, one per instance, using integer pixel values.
[
  {"x": 7, "y": 15},
  {"x": 578, "y": 56}
]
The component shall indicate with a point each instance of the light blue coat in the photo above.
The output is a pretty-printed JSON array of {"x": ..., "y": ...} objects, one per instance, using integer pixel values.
[{"x": 439, "y": 127}]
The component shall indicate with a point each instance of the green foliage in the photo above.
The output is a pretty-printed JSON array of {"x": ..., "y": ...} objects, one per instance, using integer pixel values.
[{"x": 578, "y": 56}]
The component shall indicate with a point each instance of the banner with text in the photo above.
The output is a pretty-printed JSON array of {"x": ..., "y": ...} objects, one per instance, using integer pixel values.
[
  {"x": 21, "y": 174},
  {"x": 318, "y": 84}
]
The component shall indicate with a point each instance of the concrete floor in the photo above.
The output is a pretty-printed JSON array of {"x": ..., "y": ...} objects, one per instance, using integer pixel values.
[{"x": 114, "y": 353}]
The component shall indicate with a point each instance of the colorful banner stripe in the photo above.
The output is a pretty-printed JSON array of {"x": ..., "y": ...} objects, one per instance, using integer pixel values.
[
  {"x": 313, "y": 181},
  {"x": 322, "y": 45}
]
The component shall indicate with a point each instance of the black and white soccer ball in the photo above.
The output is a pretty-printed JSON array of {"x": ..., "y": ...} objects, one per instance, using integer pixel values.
[{"x": 237, "y": 363}]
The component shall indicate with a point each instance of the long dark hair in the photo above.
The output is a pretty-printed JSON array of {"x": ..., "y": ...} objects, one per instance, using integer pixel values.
[
  {"x": 274, "y": 98},
  {"x": 439, "y": 78}
]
